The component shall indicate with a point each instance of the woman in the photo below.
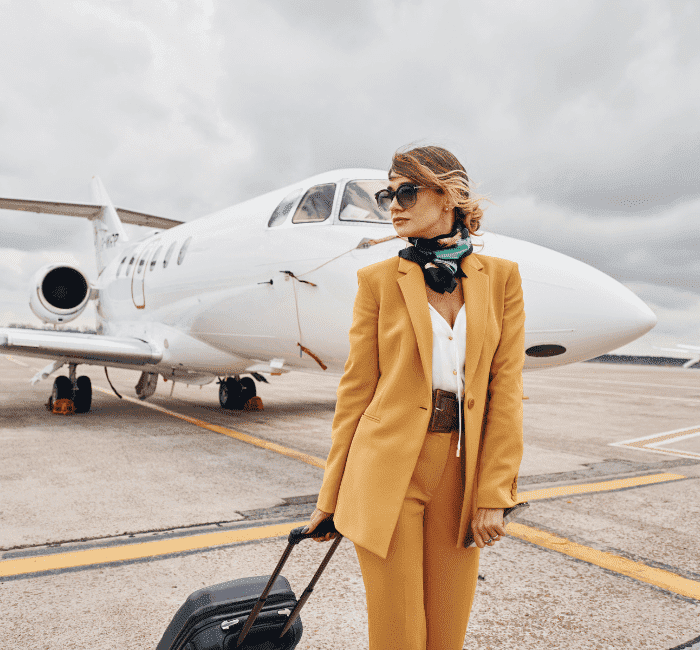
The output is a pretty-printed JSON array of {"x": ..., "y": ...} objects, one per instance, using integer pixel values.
[{"x": 437, "y": 331}]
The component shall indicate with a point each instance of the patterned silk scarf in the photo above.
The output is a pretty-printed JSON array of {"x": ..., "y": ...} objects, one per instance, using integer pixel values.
[{"x": 440, "y": 257}]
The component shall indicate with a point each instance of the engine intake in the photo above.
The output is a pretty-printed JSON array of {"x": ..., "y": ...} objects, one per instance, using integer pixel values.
[{"x": 59, "y": 294}]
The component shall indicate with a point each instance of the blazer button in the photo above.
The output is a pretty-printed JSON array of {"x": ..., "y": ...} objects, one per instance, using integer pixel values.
[{"x": 470, "y": 403}]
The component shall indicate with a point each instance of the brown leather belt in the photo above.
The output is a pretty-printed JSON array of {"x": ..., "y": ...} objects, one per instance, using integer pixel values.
[{"x": 445, "y": 409}]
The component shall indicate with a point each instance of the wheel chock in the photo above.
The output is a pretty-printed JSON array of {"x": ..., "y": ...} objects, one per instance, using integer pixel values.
[
  {"x": 253, "y": 404},
  {"x": 63, "y": 407}
]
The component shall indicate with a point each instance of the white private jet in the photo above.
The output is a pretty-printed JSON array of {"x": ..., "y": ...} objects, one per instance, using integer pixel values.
[{"x": 267, "y": 286}]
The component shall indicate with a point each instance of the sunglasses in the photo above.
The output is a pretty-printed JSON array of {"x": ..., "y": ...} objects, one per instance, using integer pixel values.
[{"x": 406, "y": 194}]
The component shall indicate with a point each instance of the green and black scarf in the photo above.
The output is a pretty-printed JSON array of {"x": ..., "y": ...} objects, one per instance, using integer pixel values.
[{"x": 440, "y": 257}]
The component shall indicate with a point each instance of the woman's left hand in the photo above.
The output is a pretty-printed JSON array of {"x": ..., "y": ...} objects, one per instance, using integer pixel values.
[{"x": 487, "y": 526}]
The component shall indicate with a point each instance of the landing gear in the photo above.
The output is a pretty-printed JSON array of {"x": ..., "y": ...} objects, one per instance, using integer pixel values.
[
  {"x": 78, "y": 390},
  {"x": 83, "y": 394},
  {"x": 235, "y": 393}
]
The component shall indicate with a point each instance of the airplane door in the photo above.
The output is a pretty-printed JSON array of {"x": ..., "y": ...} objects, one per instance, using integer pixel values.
[{"x": 138, "y": 277}]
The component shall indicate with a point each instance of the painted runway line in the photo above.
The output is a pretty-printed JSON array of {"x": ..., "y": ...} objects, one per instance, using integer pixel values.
[
  {"x": 126, "y": 552},
  {"x": 625, "y": 383},
  {"x": 243, "y": 437},
  {"x": 592, "y": 391},
  {"x": 604, "y": 486},
  {"x": 657, "y": 577},
  {"x": 16, "y": 361},
  {"x": 158, "y": 549},
  {"x": 650, "y": 575},
  {"x": 652, "y": 443}
]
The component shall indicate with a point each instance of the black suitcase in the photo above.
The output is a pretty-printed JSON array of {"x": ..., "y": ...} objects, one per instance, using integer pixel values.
[{"x": 260, "y": 613}]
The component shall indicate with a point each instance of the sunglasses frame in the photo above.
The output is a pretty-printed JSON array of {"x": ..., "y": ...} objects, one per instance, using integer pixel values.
[{"x": 394, "y": 193}]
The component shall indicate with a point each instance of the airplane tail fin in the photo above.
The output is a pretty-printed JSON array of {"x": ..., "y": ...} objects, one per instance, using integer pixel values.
[{"x": 109, "y": 231}]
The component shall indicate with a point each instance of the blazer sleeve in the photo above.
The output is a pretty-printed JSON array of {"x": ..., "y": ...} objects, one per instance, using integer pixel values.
[
  {"x": 355, "y": 391},
  {"x": 502, "y": 436}
]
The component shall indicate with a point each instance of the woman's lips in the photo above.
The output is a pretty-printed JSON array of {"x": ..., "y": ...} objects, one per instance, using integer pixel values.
[{"x": 398, "y": 220}]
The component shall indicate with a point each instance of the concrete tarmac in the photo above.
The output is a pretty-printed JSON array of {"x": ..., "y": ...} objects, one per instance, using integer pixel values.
[{"x": 125, "y": 474}]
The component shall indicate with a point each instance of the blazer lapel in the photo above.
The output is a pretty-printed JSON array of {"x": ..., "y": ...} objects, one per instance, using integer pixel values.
[
  {"x": 476, "y": 297},
  {"x": 412, "y": 286}
]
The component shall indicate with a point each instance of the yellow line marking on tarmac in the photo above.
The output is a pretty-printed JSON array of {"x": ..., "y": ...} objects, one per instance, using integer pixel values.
[
  {"x": 604, "y": 486},
  {"x": 19, "y": 363},
  {"x": 54, "y": 561},
  {"x": 657, "y": 577},
  {"x": 125, "y": 552},
  {"x": 243, "y": 437}
]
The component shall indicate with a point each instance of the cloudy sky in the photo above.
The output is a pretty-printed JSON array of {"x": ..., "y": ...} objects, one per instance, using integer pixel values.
[{"x": 579, "y": 119}]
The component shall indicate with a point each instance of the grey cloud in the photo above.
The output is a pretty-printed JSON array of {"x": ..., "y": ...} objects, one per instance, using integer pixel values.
[{"x": 579, "y": 119}]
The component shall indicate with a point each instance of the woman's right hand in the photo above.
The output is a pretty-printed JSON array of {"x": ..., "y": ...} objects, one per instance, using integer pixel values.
[{"x": 316, "y": 518}]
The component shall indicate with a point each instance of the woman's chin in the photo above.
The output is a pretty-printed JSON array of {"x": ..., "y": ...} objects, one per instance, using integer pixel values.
[{"x": 403, "y": 229}]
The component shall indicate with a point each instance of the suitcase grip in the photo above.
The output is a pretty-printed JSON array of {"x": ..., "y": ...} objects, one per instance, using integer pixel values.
[
  {"x": 325, "y": 527},
  {"x": 295, "y": 536}
]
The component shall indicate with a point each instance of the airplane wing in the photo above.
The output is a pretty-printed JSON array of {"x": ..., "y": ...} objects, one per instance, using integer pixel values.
[
  {"x": 87, "y": 211},
  {"x": 91, "y": 349}
]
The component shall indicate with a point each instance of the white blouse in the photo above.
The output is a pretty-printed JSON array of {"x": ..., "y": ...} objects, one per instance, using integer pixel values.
[{"x": 449, "y": 349}]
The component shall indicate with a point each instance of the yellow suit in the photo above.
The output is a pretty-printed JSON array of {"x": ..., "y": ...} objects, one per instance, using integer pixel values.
[{"x": 385, "y": 397}]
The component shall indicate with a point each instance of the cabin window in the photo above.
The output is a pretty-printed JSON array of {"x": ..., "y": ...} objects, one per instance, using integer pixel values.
[
  {"x": 142, "y": 263},
  {"x": 168, "y": 254},
  {"x": 131, "y": 263},
  {"x": 154, "y": 261},
  {"x": 284, "y": 209},
  {"x": 183, "y": 250},
  {"x": 316, "y": 204},
  {"x": 121, "y": 264},
  {"x": 358, "y": 202}
]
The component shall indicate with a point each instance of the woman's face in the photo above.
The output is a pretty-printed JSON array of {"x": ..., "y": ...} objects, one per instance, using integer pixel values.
[{"x": 432, "y": 215}]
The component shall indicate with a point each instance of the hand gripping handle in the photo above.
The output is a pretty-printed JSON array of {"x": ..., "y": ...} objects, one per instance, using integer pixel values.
[
  {"x": 325, "y": 527},
  {"x": 295, "y": 536}
]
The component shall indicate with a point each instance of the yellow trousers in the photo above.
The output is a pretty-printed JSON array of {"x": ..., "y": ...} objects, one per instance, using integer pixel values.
[{"x": 420, "y": 596}]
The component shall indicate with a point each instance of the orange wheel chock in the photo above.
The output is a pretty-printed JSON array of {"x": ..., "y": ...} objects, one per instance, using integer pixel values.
[
  {"x": 254, "y": 404},
  {"x": 63, "y": 407}
]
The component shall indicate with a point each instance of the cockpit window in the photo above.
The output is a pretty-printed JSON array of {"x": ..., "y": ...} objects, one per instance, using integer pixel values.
[
  {"x": 358, "y": 202},
  {"x": 283, "y": 210},
  {"x": 316, "y": 204}
]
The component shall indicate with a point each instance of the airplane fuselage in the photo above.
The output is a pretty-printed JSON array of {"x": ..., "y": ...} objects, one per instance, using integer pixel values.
[{"x": 236, "y": 292}]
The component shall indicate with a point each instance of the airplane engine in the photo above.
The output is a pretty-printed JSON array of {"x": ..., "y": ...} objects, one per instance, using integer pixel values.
[{"x": 59, "y": 293}]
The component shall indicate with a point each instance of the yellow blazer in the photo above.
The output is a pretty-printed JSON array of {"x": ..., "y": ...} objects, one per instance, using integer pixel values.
[{"x": 385, "y": 396}]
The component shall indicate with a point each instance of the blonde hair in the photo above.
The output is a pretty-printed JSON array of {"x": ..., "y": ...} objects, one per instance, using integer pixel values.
[{"x": 438, "y": 169}]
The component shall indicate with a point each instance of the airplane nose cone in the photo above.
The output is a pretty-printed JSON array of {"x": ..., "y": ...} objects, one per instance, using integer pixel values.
[
  {"x": 573, "y": 312},
  {"x": 634, "y": 315}
]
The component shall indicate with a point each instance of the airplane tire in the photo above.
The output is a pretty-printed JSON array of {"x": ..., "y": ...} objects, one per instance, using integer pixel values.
[
  {"x": 230, "y": 394},
  {"x": 83, "y": 395},
  {"x": 62, "y": 389},
  {"x": 249, "y": 389}
]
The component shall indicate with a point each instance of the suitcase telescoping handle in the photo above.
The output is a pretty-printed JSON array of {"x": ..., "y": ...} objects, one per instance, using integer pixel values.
[{"x": 295, "y": 536}]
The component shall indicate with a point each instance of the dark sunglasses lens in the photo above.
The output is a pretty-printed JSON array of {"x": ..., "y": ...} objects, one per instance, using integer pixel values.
[
  {"x": 383, "y": 199},
  {"x": 406, "y": 196}
]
